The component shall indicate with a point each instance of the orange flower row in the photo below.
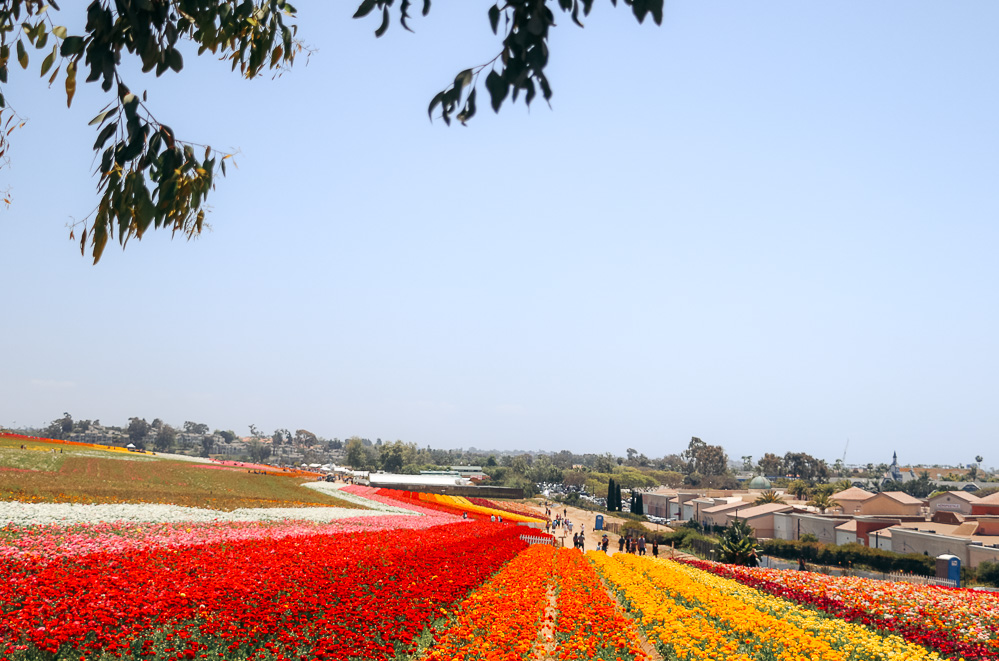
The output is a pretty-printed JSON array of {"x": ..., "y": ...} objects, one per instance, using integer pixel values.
[
  {"x": 589, "y": 626},
  {"x": 501, "y": 620}
]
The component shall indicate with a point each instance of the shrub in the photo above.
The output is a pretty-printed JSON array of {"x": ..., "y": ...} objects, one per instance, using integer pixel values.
[
  {"x": 988, "y": 573},
  {"x": 850, "y": 555},
  {"x": 634, "y": 528}
]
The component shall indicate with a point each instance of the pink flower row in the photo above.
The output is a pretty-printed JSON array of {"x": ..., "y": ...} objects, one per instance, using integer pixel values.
[{"x": 61, "y": 541}]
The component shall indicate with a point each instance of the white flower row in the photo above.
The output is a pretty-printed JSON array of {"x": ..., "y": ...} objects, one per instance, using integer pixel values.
[
  {"x": 336, "y": 491},
  {"x": 25, "y": 514}
]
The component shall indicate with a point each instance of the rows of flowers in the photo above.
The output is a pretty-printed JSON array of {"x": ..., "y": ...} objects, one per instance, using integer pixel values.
[
  {"x": 696, "y": 615},
  {"x": 73, "y": 530},
  {"x": 589, "y": 625},
  {"x": 546, "y": 603},
  {"x": 954, "y": 621},
  {"x": 501, "y": 620},
  {"x": 457, "y": 504},
  {"x": 514, "y": 508},
  {"x": 357, "y": 596}
]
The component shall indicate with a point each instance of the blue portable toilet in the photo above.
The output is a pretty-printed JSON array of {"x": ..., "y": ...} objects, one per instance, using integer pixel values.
[
  {"x": 949, "y": 567},
  {"x": 600, "y": 522}
]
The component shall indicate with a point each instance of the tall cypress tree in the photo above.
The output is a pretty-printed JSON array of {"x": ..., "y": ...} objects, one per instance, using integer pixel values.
[
  {"x": 639, "y": 505},
  {"x": 617, "y": 497},
  {"x": 610, "y": 495}
]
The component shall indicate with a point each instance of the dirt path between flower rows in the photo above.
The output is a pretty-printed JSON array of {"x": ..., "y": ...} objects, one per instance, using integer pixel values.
[
  {"x": 650, "y": 650},
  {"x": 546, "y": 641}
]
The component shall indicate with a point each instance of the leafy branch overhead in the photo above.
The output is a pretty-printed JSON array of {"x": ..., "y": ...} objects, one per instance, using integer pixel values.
[
  {"x": 150, "y": 178},
  {"x": 519, "y": 67},
  {"x": 147, "y": 177}
]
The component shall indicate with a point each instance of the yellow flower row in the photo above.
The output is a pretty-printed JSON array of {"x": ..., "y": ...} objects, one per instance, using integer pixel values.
[
  {"x": 854, "y": 640},
  {"x": 707, "y": 612},
  {"x": 684, "y": 633},
  {"x": 464, "y": 504}
]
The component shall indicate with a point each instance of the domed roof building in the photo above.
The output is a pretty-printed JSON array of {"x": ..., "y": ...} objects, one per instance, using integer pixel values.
[{"x": 759, "y": 482}]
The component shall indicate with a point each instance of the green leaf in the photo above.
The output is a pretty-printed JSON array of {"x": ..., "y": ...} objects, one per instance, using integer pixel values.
[
  {"x": 385, "y": 23},
  {"x": 100, "y": 118},
  {"x": 105, "y": 133},
  {"x": 22, "y": 54},
  {"x": 71, "y": 46},
  {"x": 434, "y": 102},
  {"x": 174, "y": 59},
  {"x": 70, "y": 83},
  {"x": 498, "y": 89},
  {"x": 469, "y": 110},
  {"x": 494, "y": 17},
  {"x": 49, "y": 61},
  {"x": 365, "y": 8}
]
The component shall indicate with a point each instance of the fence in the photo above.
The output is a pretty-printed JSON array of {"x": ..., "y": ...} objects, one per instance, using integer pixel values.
[
  {"x": 771, "y": 562},
  {"x": 538, "y": 539},
  {"x": 922, "y": 580}
]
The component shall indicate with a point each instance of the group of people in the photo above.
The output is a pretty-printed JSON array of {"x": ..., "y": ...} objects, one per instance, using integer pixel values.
[
  {"x": 563, "y": 522},
  {"x": 631, "y": 544}
]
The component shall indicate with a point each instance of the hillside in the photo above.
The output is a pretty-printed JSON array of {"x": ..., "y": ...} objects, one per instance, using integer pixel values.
[{"x": 45, "y": 472}]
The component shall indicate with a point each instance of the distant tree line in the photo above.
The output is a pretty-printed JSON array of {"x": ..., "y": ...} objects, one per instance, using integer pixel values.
[{"x": 698, "y": 465}]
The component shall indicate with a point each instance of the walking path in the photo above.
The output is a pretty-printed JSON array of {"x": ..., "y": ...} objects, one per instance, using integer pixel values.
[{"x": 593, "y": 536}]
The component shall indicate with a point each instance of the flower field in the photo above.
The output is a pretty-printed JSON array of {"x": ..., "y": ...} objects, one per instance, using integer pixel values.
[
  {"x": 695, "y": 615},
  {"x": 352, "y": 595},
  {"x": 63, "y": 472},
  {"x": 452, "y": 504},
  {"x": 546, "y": 603},
  {"x": 388, "y": 574},
  {"x": 956, "y": 622}
]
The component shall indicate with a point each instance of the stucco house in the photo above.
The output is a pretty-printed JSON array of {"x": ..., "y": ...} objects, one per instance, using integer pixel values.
[{"x": 891, "y": 503}]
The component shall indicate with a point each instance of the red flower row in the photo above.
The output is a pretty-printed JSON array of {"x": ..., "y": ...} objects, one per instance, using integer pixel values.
[{"x": 361, "y": 595}]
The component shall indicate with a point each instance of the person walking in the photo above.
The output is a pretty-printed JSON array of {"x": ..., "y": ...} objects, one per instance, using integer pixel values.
[
  {"x": 641, "y": 545},
  {"x": 604, "y": 543},
  {"x": 620, "y": 544},
  {"x": 655, "y": 548}
]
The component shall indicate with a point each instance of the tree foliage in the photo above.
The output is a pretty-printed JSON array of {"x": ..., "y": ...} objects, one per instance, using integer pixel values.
[
  {"x": 705, "y": 459},
  {"x": 165, "y": 438},
  {"x": 737, "y": 545},
  {"x": 767, "y": 497},
  {"x": 148, "y": 177},
  {"x": 823, "y": 502},
  {"x": 519, "y": 66}
]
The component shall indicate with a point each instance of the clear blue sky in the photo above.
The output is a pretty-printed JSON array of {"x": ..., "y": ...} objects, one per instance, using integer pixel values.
[{"x": 772, "y": 225}]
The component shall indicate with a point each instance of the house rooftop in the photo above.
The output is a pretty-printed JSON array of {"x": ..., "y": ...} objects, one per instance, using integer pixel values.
[
  {"x": 960, "y": 495},
  {"x": 853, "y": 493},
  {"x": 901, "y": 497},
  {"x": 724, "y": 507},
  {"x": 760, "y": 510}
]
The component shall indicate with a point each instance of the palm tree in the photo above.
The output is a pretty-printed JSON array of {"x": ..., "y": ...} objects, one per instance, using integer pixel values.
[
  {"x": 770, "y": 496},
  {"x": 823, "y": 501},
  {"x": 799, "y": 488},
  {"x": 842, "y": 485},
  {"x": 737, "y": 545}
]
